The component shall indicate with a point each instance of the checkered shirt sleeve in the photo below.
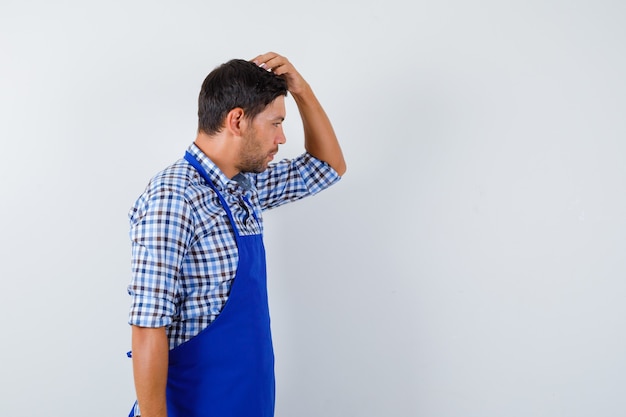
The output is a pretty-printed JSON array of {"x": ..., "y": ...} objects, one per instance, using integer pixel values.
[
  {"x": 292, "y": 179},
  {"x": 161, "y": 231}
]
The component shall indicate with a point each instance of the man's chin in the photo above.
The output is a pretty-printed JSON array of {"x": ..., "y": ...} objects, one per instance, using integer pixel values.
[{"x": 254, "y": 170}]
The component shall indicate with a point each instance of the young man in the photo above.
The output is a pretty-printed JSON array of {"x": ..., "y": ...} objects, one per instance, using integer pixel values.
[{"x": 201, "y": 342}]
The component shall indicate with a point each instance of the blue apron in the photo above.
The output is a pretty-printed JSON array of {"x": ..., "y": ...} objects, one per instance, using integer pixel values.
[{"x": 227, "y": 370}]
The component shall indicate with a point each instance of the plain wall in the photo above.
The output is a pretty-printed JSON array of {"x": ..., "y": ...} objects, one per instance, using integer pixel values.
[{"x": 470, "y": 263}]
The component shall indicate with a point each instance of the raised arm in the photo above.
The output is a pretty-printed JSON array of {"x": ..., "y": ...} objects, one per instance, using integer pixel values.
[{"x": 319, "y": 136}]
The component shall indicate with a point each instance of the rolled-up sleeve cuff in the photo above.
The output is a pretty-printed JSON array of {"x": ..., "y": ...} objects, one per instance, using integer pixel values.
[{"x": 150, "y": 312}]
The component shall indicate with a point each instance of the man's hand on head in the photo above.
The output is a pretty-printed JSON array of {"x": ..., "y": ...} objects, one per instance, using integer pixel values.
[{"x": 281, "y": 66}]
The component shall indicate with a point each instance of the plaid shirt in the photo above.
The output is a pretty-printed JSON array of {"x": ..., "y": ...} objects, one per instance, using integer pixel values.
[{"x": 184, "y": 254}]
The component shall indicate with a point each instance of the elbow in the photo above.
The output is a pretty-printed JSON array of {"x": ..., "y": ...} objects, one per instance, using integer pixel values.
[{"x": 341, "y": 169}]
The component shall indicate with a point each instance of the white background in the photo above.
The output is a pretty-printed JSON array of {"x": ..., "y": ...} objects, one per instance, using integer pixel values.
[{"x": 470, "y": 263}]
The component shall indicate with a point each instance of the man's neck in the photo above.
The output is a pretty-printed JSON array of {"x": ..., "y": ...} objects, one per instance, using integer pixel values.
[{"x": 219, "y": 149}]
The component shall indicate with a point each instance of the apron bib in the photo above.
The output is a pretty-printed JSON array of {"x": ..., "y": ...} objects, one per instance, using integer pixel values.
[{"x": 227, "y": 370}]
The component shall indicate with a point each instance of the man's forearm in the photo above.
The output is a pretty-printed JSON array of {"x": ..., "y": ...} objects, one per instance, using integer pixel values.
[
  {"x": 319, "y": 136},
  {"x": 150, "y": 361}
]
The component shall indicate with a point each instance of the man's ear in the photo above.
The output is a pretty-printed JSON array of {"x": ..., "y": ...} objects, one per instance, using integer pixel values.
[{"x": 235, "y": 121}]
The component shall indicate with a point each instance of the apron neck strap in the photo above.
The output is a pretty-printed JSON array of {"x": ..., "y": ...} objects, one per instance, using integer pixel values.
[{"x": 196, "y": 164}]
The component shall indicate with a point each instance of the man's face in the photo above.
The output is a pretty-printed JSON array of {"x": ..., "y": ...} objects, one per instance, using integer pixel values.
[{"x": 261, "y": 138}]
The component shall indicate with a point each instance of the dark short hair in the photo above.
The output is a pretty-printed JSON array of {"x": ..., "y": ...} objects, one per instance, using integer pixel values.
[{"x": 236, "y": 83}]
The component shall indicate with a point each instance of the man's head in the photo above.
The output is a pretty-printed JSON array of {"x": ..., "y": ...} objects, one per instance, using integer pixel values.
[{"x": 236, "y": 84}]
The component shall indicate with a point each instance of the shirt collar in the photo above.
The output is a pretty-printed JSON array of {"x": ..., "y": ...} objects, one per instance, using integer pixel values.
[{"x": 220, "y": 180}]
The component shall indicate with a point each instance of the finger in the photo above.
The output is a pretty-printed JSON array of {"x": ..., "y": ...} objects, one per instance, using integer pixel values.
[
  {"x": 260, "y": 59},
  {"x": 271, "y": 61}
]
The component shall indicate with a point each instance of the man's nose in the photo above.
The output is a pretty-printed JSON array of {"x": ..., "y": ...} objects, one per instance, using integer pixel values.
[{"x": 281, "y": 139}]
